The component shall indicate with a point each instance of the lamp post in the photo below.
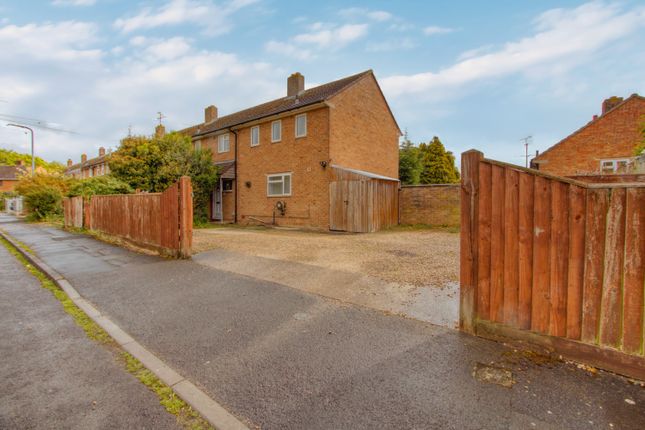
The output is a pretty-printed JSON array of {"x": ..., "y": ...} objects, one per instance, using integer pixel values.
[{"x": 33, "y": 160}]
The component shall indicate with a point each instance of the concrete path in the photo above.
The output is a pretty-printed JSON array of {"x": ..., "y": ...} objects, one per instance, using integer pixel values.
[
  {"x": 52, "y": 376},
  {"x": 283, "y": 358}
]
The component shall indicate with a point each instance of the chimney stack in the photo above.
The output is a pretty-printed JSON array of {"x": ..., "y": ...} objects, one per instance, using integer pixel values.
[
  {"x": 83, "y": 158},
  {"x": 69, "y": 162},
  {"x": 160, "y": 131},
  {"x": 210, "y": 114},
  {"x": 611, "y": 103},
  {"x": 101, "y": 151},
  {"x": 295, "y": 84}
]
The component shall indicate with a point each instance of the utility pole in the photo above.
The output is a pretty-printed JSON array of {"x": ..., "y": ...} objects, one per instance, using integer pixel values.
[
  {"x": 33, "y": 160},
  {"x": 527, "y": 140}
]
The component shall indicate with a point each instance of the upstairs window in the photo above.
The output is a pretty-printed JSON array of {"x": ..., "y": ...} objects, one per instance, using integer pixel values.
[
  {"x": 255, "y": 135},
  {"x": 279, "y": 185},
  {"x": 198, "y": 145},
  {"x": 223, "y": 143},
  {"x": 301, "y": 125},
  {"x": 276, "y": 131},
  {"x": 614, "y": 166}
]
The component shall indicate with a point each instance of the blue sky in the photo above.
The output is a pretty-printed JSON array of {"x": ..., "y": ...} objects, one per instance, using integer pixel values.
[{"x": 477, "y": 74}]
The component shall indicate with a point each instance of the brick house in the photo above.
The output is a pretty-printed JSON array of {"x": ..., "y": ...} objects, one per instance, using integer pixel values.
[
  {"x": 605, "y": 145},
  {"x": 9, "y": 176},
  {"x": 279, "y": 160},
  {"x": 97, "y": 166}
]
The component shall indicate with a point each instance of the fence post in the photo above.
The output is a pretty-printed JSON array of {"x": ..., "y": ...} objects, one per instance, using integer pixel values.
[
  {"x": 469, "y": 237},
  {"x": 185, "y": 217}
]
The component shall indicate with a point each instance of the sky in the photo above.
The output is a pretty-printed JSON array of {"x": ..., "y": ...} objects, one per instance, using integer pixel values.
[{"x": 476, "y": 74}]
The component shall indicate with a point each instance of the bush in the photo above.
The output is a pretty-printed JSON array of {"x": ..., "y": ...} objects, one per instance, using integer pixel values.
[
  {"x": 99, "y": 185},
  {"x": 43, "y": 203}
]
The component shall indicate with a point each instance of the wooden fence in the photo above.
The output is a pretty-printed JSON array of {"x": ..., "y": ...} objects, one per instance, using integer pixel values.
[
  {"x": 554, "y": 261},
  {"x": 162, "y": 221}
]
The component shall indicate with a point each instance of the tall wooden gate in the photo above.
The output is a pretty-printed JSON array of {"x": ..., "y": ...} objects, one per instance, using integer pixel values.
[
  {"x": 554, "y": 261},
  {"x": 360, "y": 203}
]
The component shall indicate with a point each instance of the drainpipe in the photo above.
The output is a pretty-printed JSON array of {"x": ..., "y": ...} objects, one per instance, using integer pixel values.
[{"x": 235, "y": 171}]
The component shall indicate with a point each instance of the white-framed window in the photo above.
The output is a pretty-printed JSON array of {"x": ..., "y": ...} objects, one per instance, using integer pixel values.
[
  {"x": 276, "y": 131},
  {"x": 618, "y": 165},
  {"x": 301, "y": 125},
  {"x": 223, "y": 143},
  {"x": 255, "y": 135},
  {"x": 279, "y": 184},
  {"x": 198, "y": 145}
]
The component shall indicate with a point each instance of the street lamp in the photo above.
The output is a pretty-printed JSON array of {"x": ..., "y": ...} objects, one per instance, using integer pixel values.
[{"x": 33, "y": 161}]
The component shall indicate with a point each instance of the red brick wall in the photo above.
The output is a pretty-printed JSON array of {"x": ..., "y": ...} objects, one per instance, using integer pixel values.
[
  {"x": 613, "y": 135},
  {"x": 7, "y": 184},
  {"x": 363, "y": 134},
  {"x": 610, "y": 178},
  {"x": 430, "y": 204}
]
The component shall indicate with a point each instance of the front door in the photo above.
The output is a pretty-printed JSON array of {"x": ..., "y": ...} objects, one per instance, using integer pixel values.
[{"x": 217, "y": 201}]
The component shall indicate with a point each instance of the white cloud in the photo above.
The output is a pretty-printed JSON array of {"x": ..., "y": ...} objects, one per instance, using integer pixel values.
[
  {"x": 73, "y": 2},
  {"x": 362, "y": 13},
  {"x": 336, "y": 37},
  {"x": 563, "y": 37},
  {"x": 213, "y": 18},
  {"x": 288, "y": 49},
  {"x": 320, "y": 36},
  {"x": 68, "y": 40},
  {"x": 57, "y": 73},
  {"x": 433, "y": 29}
]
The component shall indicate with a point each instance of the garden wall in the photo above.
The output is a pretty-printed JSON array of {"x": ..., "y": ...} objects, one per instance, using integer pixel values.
[{"x": 436, "y": 204}]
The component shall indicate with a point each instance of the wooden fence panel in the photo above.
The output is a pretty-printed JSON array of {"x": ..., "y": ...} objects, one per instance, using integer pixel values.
[
  {"x": 159, "y": 220},
  {"x": 555, "y": 261}
]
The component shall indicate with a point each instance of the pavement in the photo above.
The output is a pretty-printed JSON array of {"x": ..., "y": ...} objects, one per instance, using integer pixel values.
[
  {"x": 281, "y": 358},
  {"x": 52, "y": 375}
]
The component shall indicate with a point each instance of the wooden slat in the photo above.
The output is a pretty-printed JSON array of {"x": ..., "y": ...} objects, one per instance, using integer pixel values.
[
  {"x": 483, "y": 243},
  {"x": 525, "y": 250},
  {"x": 511, "y": 247},
  {"x": 596, "y": 207},
  {"x": 634, "y": 273},
  {"x": 559, "y": 258},
  {"x": 541, "y": 262},
  {"x": 611, "y": 303},
  {"x": 575, "y": 275},
  {"x": 497, "y": 245}
]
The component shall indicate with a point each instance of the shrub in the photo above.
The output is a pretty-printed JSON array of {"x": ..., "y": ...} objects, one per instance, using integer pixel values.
[
  {"x": 43, "y": 203},
  {"x": 99, "y": 185}
]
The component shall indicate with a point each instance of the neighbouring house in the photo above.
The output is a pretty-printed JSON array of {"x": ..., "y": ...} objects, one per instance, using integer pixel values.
[
  {"x": 604, "y": 146},
  {"x": 88, "y": 168},
  {"x": 325, "y": 157},
  {"x": 10, "y": 175}
]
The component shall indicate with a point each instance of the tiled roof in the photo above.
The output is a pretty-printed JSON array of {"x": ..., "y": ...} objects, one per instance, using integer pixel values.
[
  {"x": 89, "y": 163},
  {"x": 11, "y": 173},
  {"x": 284, "y": 104}
]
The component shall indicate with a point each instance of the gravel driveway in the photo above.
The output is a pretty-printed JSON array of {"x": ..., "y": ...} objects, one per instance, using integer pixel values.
[
  {"x": 417, "y": 257},
  {"x": 412, "y": 273}
]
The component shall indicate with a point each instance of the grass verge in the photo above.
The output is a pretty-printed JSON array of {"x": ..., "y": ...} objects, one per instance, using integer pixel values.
[{"x": 186, "y": 416}]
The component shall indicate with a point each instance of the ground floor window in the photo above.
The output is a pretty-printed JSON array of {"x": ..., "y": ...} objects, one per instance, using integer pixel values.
[{"x": 279, "y": 185}]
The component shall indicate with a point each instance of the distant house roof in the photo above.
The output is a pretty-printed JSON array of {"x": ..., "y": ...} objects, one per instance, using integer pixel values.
[
  {"x": 11, "y": 173},
  {"x": 306, "y": 98},
  {"x": 594, "y": 121},
  {"x": 89, "y": 163}
]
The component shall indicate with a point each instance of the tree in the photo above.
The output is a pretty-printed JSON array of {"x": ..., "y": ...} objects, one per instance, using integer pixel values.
[
  {"x": 409, "y": 162},
  {"x": 9, "y": 158},
  {"x": 154, "y": 163},
  {"x": 43, "y": 194},
  {"x": 98, "y": 185},
  {"x": 438, "y": 165}
]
